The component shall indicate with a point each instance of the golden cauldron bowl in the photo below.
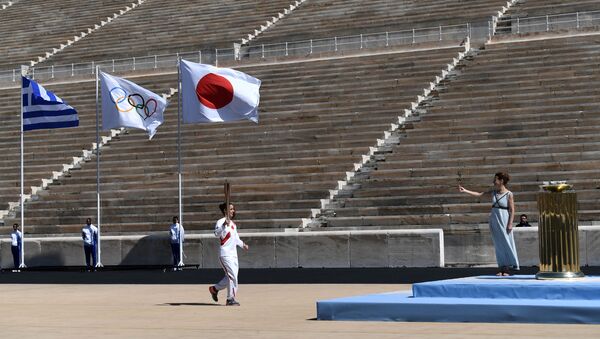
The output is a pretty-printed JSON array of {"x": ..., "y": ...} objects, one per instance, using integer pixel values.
[{"x": 556, "y": 186}]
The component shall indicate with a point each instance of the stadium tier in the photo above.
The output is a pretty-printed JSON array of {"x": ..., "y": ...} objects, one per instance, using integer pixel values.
[
  {"x": 317, "y": 118},
  {"x": 538, "y": 16},
  {"x": 328, "y": 18},
  {"x": 528, "y": 108},
  {"x": 32, "y": 28},
  {"x": 530, "y": 8},
  {"x": 157, "y": 27}
]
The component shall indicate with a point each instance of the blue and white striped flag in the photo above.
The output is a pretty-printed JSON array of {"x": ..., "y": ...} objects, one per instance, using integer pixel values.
[{"x": 44, "y": 110}]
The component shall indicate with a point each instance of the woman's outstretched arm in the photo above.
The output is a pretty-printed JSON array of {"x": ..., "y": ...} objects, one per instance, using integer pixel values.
[{"x": 473, "y": 193}]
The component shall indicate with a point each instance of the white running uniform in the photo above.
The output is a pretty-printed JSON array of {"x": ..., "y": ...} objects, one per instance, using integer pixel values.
[
  {"x": 175, "y": 231},
  {"x": 229, "y": 238},
  {"x": 15, "y": 238},
  {"x": 89, "y": 235}
]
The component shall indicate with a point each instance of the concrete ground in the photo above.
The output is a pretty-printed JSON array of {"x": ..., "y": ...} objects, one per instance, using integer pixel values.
[{"x": 175, "y": 311}]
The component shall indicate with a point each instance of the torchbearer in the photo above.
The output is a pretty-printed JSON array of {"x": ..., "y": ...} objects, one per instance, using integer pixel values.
[
  {"x": 226, "y": 230},
  {"x": 209, "y": 94}
]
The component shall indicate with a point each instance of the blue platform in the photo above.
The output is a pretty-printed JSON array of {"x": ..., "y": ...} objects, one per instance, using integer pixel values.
[{"x": 477, "y": 299}]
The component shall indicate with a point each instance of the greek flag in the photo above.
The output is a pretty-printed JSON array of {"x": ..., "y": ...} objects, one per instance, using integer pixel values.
[{"x": 44, "y": 110}]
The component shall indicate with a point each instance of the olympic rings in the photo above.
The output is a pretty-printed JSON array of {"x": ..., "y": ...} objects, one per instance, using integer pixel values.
[{"x": 125, "y": 102}]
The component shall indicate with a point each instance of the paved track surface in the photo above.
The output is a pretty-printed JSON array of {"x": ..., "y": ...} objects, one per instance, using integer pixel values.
[{"x": 187, "y": 311}]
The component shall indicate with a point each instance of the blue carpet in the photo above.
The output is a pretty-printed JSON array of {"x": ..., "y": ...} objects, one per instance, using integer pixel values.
[
  {"x": 477, "y": 299},
  {"x": 513, "y": 287}
]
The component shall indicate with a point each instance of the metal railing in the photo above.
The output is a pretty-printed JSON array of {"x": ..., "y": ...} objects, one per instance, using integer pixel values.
[
  {"x": 546, "y": 23},
  {"x": 506, "y": 25},
  {"x": 252, "y": 52}
]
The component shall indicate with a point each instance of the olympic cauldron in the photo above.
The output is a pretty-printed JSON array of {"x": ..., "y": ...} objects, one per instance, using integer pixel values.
[{"x": 558, "y": 232}]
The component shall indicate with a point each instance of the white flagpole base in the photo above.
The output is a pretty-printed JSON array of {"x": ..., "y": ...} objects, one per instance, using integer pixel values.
[
  {"x": 22, "y": 266},
  {"x": 99, "y": 265}
]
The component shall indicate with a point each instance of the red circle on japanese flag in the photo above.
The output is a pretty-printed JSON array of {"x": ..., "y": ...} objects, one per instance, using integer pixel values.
[{"x": 214, "y": 91}]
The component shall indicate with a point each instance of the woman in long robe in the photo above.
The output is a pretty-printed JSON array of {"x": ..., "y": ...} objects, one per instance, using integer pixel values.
[{"x": 501, "y": 222}]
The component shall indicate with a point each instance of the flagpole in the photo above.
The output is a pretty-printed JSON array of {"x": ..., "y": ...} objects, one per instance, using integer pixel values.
[
  {"x": 179, "y": 165},
  {"x": 24, "y": 70},
  {"x": 98, "y": 211}
]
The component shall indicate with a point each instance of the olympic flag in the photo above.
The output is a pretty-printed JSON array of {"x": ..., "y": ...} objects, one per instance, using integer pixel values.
[
  {"x": 126, "y": 104},
  {"x": 213, "y": 94}
]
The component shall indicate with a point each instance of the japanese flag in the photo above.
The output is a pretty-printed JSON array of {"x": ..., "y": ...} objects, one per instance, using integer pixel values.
[
  {"x": 212, "y": 94},
  {"x": 126, "y": 104}
]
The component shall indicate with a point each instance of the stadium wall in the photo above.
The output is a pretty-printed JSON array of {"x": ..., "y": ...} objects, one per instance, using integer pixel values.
[
  {"x": 343, "y": 249},
  {"x": 318, "y": 249}
]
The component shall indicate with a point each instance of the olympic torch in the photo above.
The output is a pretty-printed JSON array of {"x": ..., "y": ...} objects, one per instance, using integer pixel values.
[{"x": 227, "y": 191}]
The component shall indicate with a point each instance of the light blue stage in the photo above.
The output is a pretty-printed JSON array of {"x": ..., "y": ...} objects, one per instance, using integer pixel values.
[{"x": 521, "y": 299}]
